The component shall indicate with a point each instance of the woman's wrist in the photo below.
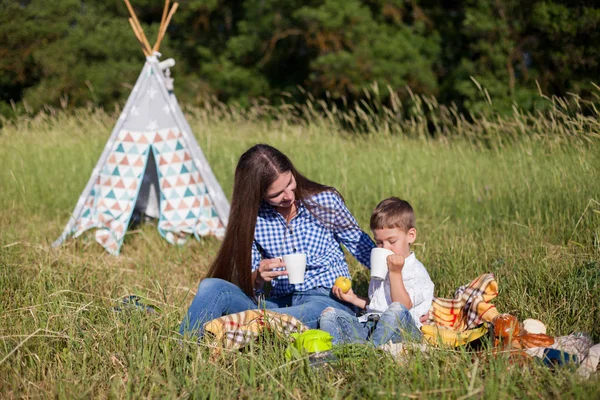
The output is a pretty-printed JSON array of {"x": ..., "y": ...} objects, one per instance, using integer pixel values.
[{"x": 258, "y": 281}]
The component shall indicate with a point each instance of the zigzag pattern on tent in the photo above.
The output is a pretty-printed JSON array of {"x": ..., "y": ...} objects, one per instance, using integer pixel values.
[{"x": 186, "y": 208}]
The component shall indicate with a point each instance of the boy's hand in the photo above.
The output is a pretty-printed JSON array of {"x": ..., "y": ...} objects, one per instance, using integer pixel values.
[
  {"x": 395, "y": 263},
  {"x": 348, "y": 297}
]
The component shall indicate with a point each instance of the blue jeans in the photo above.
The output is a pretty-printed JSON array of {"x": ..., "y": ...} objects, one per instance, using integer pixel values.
[
  {"x": 217, "y": 297},
  {"x": 395, "y": 324}
]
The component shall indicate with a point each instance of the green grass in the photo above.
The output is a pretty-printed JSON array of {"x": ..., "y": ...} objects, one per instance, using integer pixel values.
[{"x": 526, "y": 210}]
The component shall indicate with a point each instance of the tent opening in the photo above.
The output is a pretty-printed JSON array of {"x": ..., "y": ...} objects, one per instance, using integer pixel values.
[{"x": 147, "y": 206}]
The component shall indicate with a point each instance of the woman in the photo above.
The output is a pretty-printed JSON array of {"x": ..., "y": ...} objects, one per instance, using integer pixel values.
[{"x": 275, "y": 210}]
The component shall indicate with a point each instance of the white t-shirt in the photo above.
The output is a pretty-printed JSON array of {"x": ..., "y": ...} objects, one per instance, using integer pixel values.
[{"x": 418, "y": 284}]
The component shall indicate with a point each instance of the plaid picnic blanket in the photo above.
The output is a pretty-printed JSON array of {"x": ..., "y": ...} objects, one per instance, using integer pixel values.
[
  {"x": 234, "y": 331},
  {"x": 470, "y": 306}
]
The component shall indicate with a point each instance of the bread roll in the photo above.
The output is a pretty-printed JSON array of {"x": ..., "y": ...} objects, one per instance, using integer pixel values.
[
  {"x": 534, "y": 326},
  {"x": 529, "y": 340}
]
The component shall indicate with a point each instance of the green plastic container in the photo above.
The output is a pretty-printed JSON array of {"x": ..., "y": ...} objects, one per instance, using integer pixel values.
[{"x": 310, "y": 341}]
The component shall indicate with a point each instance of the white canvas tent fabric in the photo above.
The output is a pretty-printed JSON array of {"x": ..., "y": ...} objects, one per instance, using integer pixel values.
[{"x": 153, "y": 164}]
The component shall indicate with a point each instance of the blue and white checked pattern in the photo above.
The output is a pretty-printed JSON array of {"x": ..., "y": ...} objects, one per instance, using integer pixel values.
[{"x": 305, "y": 233}]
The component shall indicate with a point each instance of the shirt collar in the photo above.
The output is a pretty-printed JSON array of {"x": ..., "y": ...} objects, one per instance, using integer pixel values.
[{"x": 266, "y": 209}]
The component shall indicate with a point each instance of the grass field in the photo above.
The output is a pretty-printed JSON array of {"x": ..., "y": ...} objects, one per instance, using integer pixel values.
[{"x": 525, "y": 209}]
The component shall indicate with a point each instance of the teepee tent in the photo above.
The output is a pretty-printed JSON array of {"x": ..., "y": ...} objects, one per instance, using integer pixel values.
[{"x": 151, "y": 165}]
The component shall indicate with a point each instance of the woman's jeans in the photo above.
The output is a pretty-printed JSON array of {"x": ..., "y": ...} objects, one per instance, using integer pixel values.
[
  {"x": 395, "y": 324},
  {"x": 217, "y": 297}
]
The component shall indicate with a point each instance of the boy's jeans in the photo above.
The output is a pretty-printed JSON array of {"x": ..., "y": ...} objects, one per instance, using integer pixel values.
[
  {"x": 218, "y": 297},
  {"x": 395, "y": 324}
]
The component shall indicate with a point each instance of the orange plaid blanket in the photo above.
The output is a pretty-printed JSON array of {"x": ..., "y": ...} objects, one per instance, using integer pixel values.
[
  {"x": 470, "y": 306},
  {"x": 234, "y": 331}
]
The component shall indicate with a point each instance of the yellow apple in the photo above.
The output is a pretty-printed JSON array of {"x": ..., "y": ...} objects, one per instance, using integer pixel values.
[{"x": 343, "y": 283}]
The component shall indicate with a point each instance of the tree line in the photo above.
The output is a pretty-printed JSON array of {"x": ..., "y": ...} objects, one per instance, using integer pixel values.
[{"x": 470, "y": 53}]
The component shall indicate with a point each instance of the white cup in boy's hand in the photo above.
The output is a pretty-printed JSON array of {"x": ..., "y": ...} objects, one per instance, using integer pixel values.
[
  {"x": 379, "y": 268},
  {"x": 295, "y": 264}
]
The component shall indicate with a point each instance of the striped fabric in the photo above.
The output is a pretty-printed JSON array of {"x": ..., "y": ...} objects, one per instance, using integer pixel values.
[
  {"x": 469, "y": 308},
  {"x": 234, "y": 331}
]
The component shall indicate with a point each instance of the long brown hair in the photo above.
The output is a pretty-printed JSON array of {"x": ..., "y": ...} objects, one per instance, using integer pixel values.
[{"x": 256, "y": 170}]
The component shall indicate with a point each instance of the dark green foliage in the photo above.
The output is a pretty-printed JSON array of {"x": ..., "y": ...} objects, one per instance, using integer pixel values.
[{"x": 480, "y": 55}]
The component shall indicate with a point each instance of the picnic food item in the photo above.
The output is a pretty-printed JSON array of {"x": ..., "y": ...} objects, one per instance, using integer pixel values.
[
  {"x": 505, "y": 326},
  {"x": 343, "y": 283},
  {"x": 534, "y": 326},
  {"x": 529, "y": 340}
]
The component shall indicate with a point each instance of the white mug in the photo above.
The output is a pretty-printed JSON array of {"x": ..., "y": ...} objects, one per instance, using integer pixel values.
[
  {"x": 295, "y": 264},
  {"x": 379, "y": 268}
]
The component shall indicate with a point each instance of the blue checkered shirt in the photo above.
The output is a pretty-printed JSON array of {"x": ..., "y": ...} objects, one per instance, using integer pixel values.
[{"x": 320, "y": 238}]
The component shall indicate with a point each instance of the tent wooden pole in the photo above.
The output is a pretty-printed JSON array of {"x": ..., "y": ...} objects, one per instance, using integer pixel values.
[
  {"x": 162, "y": 24},
  {"x": 145, "y": 43},
  {"x": 138, "y": 37},
  {"x": 164, "y": 14},
  {"x": 163, "y": 30}
]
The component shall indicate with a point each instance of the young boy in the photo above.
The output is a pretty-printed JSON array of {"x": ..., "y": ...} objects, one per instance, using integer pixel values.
[{"x": 395, "y": 304}]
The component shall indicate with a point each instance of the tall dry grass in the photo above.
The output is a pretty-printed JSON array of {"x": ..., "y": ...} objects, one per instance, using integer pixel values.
[{"x": 516, "y": 196}]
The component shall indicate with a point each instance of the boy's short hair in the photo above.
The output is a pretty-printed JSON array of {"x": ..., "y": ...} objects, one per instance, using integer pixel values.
[{"x": 393, "y": 213}]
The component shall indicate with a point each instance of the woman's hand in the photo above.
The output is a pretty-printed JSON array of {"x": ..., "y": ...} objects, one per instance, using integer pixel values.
[
  {"x": 348, "y": 297},
  {"x": 266, "y": 273}
]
